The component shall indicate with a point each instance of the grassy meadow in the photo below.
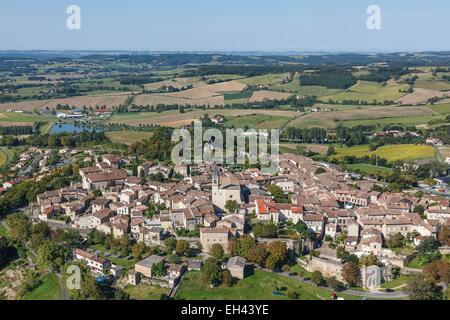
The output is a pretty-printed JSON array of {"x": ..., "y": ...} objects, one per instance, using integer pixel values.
[
  {"x": 144, "y": 291},
  {"x": 258, "y": 286},
  {"x": 404, "y": 152},
  {"x": 370, "y": 91},
  {"x": 49, "y": 289},
  {"x": 128, "y": 137}
]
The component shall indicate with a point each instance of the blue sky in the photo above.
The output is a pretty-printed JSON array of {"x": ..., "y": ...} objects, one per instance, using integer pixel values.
[{"x": 231, "y": 25}]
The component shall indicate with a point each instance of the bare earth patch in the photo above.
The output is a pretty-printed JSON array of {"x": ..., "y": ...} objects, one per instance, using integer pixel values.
[
  {"x": 108, "y": 101},
  {"x": 209, "y": 90}
]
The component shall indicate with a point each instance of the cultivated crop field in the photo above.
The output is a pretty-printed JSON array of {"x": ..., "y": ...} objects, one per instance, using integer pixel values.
[
  {"x": 176, "y": 83},
  {"x": 382, "y": 122},
  {"x": 128, "y": 137},
  {"x": 264, "y": 95},
  {"x": 404, "y": 152},
  {"x": 257, "y": 121},
  {"x": 177, "y": 119},
  {"x": 108, "y": 101},
  {"x": 209, "y": 90},
  {"x": 441, "y": 108},
  {"x": 370, "y": 91},
  {"x": 212, "y": 95},
  {"x": 12, "y": 118},
  {"x": 332, "y": 118},
  {"x": 431, "y": 81},
  {"x": 270, "y": 79},
  {"x": 155, "y": 99},
  {"x": 293, "y": 147},
  {"x": 421, "y": 96}
]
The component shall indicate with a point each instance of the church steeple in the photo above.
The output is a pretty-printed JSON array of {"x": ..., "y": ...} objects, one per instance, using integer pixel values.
[{"x": 215, "y": 176}]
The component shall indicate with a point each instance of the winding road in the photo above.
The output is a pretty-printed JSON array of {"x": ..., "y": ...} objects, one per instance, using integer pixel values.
[{"x": 368, "y": 294}]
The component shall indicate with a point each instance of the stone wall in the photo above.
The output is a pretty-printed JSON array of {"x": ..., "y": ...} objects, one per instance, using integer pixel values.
[{"x": 328, "y": 268}]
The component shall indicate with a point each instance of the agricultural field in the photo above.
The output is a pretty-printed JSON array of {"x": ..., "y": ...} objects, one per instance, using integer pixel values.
[
  {"x": 421, "y": 96},
  {"x": 441, "y": 108},
  {"x": 293, "y": 148},
  {"x": 177, "y": 119},
  {"x": 404, "y": 152},
  {"x": 108, "y": 101},
  {"x": 432, "y": 81},
  {"x": 128, "y": 137},
  {"x": 238, "y": 95},
  {"x": 405, "y": 121},
  {"x": 260, "y": 96},
  {"x": 155, "y": 99},
  {"x": 14, "y": 118},
  {"x": 370, "y": 91},
  {"x": 294, "y": 86},
  {"x": 209, "y": 91},
  {"x": 212, "y": 95},
  {"x": 176, "y": 83},
  {"x": 332, "y": 118},
  {"x": 257, "y": 121},
  {"x": 270, "y": 79},
  {"x": 258, "y": 286}
]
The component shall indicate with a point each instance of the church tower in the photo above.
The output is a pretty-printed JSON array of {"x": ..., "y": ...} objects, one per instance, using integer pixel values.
[{"x": 215, "y": 184}]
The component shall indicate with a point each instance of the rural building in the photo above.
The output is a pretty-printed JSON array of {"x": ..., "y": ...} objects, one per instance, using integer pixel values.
[
  {"x": 236, "y": 266},
  {"x": 145, "y": 266}
]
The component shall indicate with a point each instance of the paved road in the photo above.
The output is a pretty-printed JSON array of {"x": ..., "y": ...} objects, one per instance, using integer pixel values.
[{"x": 367, "y": 294}]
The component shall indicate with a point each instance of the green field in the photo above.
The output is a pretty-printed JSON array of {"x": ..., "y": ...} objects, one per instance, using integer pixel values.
[
  {"x": 369, "y": 169},
  {"x": 295, "y": 87},
  {"x": 267, "y": 79},
  {"x": 146, "y": 292},
  {"x": 23, "y": 117},
  {"x": 441, "y": 108},
  {"x": 5, "y": 155},
  {"x": 258, "y": 286},
  {"x": 257, "y": 121},
  {"x": 237, "y": 95},
  {"x": 404, "y": 152},
  {"x": 373, "y": 115},
  {"x": 128, "y": 137},
  {"x": 294, "y": 148},
  {"x": 176, "y": 119},
  {"x": 432, "y": 82},
  {"x": 382, "y": 122},
  {"x": 369, "y": 91},
  {"x": 49, "y": 289}
]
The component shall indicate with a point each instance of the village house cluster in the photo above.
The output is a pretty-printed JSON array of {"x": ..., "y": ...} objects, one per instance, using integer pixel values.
[{"x": 329, "y": 202}]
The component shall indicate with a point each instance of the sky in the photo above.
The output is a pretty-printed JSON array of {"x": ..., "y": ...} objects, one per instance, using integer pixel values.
[{"x": 231, "y": 25}]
